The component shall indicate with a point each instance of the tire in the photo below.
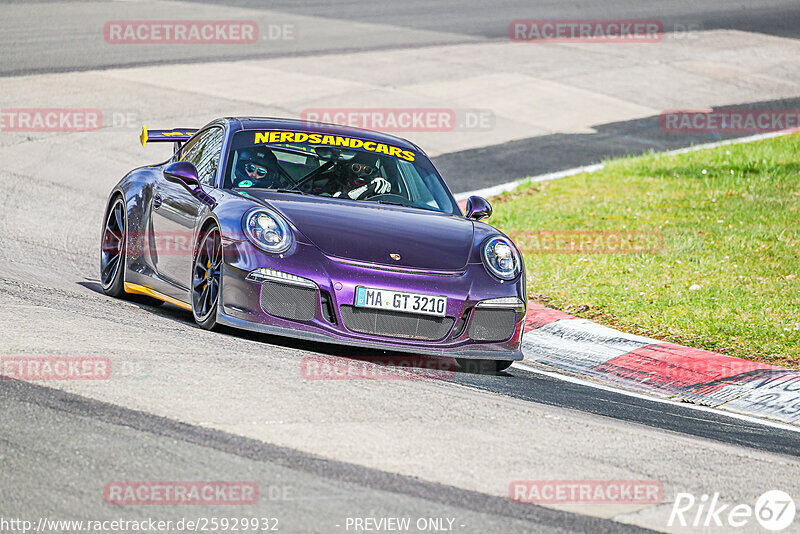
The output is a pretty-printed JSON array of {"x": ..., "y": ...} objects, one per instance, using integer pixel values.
[
  {"x": 112, "y": 250},
  {"x": 207, "y": 278},
  {"x": 113, "y": 255},
  {"x": 483, "y": 366}
]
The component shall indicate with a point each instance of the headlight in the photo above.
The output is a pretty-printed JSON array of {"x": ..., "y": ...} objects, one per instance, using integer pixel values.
[
  {"x": 267, "y": 230},
  {"x": 501, "y": 259}
]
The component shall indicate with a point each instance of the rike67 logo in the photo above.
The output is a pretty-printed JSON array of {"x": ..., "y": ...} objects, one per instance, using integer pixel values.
[{"x": 774, "y": 511}]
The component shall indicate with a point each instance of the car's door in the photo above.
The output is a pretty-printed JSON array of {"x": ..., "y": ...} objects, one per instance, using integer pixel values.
[{"x": 175, "y": 209}]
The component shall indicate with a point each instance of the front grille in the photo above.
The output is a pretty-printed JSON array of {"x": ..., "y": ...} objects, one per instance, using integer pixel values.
[
  {"x": 289, "y": 302},
  {"x": 492, "y": 324},
  {"x": 395, "y": 324}
]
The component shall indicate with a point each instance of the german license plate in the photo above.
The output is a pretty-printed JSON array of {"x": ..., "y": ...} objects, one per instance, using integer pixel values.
[{"x": 384, "y": 299}]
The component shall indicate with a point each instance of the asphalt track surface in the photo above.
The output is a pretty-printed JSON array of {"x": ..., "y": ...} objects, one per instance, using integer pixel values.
[
  {"x": 472, "y": 19},
  {"x": 231, "y": 405},
  {"x": 304, "y": 492},
  {"x": 331, "y": 28}
]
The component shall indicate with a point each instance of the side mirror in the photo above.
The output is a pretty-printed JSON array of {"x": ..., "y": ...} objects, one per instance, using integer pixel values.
[
  {"x": 478, "y": 208},
  {"x": 183, "y": 173}
]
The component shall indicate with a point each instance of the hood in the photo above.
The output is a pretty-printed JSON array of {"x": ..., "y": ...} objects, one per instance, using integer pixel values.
[{"x": 370, "y": 232}]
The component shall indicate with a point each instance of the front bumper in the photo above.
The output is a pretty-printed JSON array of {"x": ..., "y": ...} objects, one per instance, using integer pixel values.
[
  {"x": 336, "y": 280},
  {"x": 230, "y": 320}
]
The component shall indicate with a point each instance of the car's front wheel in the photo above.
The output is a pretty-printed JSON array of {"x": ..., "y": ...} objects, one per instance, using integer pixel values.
[
  {"x": 483, "y": 366},
  {"x": 207, "y": 278}
]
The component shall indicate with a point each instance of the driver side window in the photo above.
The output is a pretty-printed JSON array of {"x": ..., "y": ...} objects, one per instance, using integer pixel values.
[{"x": 204, "y": 152}]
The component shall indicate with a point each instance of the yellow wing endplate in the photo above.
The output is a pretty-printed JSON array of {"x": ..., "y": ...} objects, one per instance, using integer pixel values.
[{"x": 143, "y": 136}]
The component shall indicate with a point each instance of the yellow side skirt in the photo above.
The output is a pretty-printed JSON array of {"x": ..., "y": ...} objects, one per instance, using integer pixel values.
[{"x": 144, "y": 290}]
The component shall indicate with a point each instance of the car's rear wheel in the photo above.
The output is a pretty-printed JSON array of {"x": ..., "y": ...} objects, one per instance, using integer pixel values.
[
  {"x": 113, "y": 254},
  {"x": 483, "y": 366},
  {"x": 207, "y": 278},
  {"x": 112, "y": 250}
]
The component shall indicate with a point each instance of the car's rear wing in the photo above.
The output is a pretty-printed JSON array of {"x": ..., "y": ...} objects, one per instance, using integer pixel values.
[{"x": 176, "y": 135}]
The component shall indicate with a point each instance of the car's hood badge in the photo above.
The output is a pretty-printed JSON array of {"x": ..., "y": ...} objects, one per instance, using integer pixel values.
[{"x": 395, "y": 257}]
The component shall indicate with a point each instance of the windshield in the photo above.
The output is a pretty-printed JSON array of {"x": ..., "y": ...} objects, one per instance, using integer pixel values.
[{"x": 335, "y": 166}]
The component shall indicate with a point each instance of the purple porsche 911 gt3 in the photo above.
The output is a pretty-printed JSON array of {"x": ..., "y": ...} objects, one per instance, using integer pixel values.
[{"x": 315, "y": 231}]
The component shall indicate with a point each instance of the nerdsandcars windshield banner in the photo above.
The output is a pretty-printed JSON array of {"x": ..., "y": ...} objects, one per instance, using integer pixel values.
[{"x": 331, "y": 140}]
